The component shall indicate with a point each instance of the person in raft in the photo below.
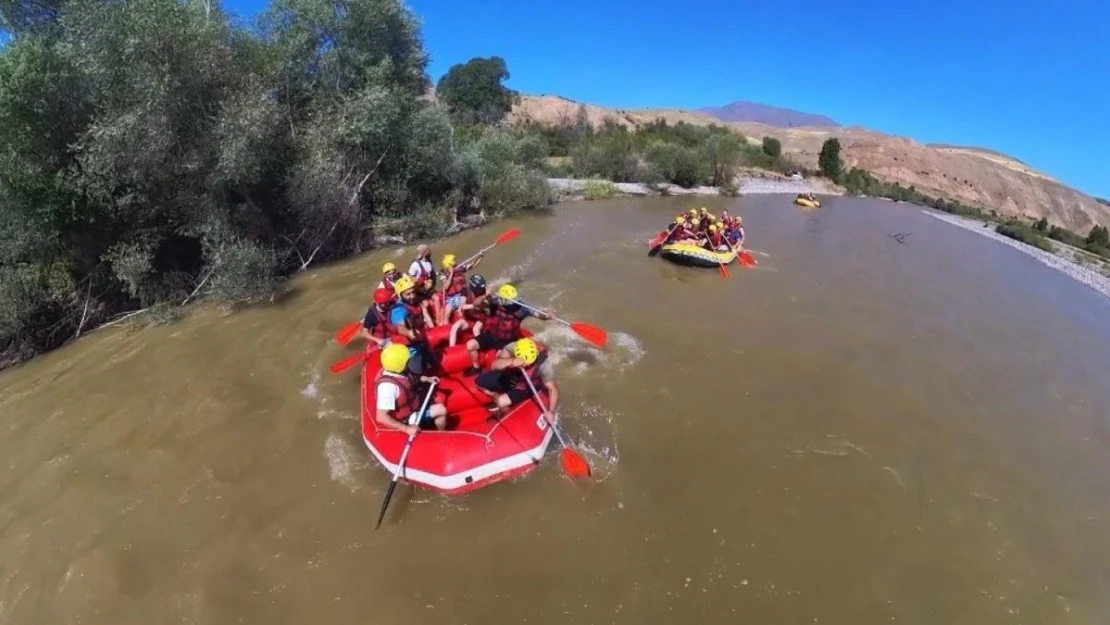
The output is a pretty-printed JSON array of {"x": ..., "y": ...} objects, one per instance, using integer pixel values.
[
  {"x": 408, "y": 320},
  {"x": 454, "y": 286},
  {"x": 706, "y": 219},
  {"x": 475, "y": 309},
  {"x": 389, "y": 276},
  {"x": 505, "y": 379},
  {"x": 502, "y": 327},
  {"x": 735, "y": 233},
  {"x": 398, "y": 395},
  {"x": 375, "y": 325}
]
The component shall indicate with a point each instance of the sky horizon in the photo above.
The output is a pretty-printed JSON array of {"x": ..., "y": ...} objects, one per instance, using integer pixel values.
[{"x": 1030, "y": 80}]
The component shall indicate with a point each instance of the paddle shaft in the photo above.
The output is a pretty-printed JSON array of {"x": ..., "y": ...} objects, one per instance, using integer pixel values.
[
  {"x": 538, "y": 311},
  {"x": 536, "y": 394},
  {"x": 484, "y": 250},
  {"x": 413, "y": 420}
]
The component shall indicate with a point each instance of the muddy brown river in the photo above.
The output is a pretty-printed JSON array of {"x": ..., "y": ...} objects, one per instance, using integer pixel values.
[{"x": 857, "y": 431}]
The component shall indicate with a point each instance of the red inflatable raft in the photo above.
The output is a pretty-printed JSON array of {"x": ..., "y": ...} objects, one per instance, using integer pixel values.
[{"x": 477, "y": 449}]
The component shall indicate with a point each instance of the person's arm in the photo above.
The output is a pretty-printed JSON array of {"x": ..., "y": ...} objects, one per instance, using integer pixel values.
[
  {"x": 542, "y": 315},
  {"x": 553, "y": 398},
  {"x": 474, "y": 263},
  {"x": 399, "y": 319}
]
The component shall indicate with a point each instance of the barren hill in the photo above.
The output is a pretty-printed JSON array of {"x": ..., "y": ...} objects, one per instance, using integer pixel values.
[
  {"x": 971, "y": 175},
  {"x": 771, "y": 115}
]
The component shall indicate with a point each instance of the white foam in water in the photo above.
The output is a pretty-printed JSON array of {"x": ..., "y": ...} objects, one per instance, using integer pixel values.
[
  {"x": 344, "y": 461},
  {"x": 622, "y": 352},
  {"x": 595, "y": 434}
]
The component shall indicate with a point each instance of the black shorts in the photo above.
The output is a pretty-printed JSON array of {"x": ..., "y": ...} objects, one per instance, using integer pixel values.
[
  {"x": 487, "y": 342},
  {"x": 501, "y": 383}
]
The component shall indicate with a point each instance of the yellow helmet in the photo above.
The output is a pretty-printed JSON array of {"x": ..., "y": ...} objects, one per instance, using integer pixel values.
[
  {"x": 704, "y": 210},
  {"x": 404, "y": 283},
  {"x": 394, "y": 357},
  {"x": 739, "y": 219},
  {"x": 712, "y": 227},
  {"x": 681, "y": 220},
  {"x": 448, "y": 261},
  {"x": 507, "y": 291},
  {"x": 526, "y": 350},
  {"x": 693, "y": 212},
  {"x": 720, "y": 225},
  {"x": 388, "y": 267}
]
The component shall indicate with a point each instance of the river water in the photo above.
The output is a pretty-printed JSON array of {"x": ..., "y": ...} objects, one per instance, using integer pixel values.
[{"x": 856, "y": 431}]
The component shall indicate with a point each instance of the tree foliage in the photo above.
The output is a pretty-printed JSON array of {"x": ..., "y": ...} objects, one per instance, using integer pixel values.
[
  {"x": 475, "y": 91},
  {"x": 828, "y": 161},
  {"x": 155, "y": 151},
  {"x": 772, "y": 147}
]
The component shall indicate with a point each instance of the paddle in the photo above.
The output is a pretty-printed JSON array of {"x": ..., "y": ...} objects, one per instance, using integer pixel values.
[
  {"x": 505, "y": 237},
  {"x": 574, "y": 465},
  {"x": 413, "y": 420},
  {"x": 347, "y": 332},
  {"x": 342, "y": 365},
  {"x": 721, "y": 266},
  {"x": 655, "y": 249},
  {"x": 745, "y": 258},
  {"x": 591, "y": 333}
]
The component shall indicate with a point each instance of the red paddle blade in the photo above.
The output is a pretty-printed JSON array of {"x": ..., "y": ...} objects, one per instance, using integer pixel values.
[
  {"x": 347, "y": 363},
  {"x": 507, "y": 236},
  {"x": 574, "y": 465},
  {"x": 747, "y": 260},
  {"x": 723, "y": 270},
  {"x": 593, "y": 334},
  {"x": 347, "y": 332}
]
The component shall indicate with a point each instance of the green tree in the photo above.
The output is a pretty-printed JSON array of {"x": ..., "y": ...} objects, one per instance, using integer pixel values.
[
  {"x": 772, "y": 147},
  {"x": 723, "y": 151},
  {"x": 829, "y": 159},
  {"x": 1100, "y": 236},
  {"x": 1042, "y": 224},
  {"x": 475, "y": 90}
]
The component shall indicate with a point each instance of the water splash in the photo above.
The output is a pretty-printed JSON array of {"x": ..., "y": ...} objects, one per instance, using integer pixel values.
[
  {"x": 344, "y": 461},
  {"x": 593, "y": 429},
  {"x": 622, "y": 352}
]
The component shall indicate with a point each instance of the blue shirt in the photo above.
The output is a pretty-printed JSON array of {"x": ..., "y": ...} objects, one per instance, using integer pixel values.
[{"x": 398, "y": 315}]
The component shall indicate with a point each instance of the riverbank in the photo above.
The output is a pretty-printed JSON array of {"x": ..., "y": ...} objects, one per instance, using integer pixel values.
[
  {"x": 573, "y": 189},
  {"x": 1075, "y": 263}
]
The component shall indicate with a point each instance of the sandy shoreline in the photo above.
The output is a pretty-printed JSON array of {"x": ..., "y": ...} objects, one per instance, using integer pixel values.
[
  {"x": 569, "y": 189},
  {"x": 1064, "y": 260}
]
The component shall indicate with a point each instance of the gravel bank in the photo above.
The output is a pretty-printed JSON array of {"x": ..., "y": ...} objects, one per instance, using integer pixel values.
[
  {"x": 1064, "y": 260},
  {"x": 574, "y": 189}
]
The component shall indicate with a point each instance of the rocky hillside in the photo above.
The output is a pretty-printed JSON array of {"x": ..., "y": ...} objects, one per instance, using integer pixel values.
[
  {"x": 973, "y": 176},
  {"x": 771, "y": 115}
]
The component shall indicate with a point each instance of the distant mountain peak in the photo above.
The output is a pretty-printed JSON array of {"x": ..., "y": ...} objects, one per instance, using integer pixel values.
[{"x": 741, "y": 111}]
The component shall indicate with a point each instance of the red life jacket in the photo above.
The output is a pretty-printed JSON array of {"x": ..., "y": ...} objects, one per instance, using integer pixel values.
[
  {"x": 414, "y": 318},
  {"x": 380, "y": 328},
  {"x": 407, "y": 401},
  {"x": 532, "y": 371},
  {"x": 457, "y": 283},
  {"x": 715, "y": 241},
  {"x": 503, "y": 325}
]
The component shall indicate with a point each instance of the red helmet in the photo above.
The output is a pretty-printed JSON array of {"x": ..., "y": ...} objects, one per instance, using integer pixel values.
[{"x": 382, "y": 296}]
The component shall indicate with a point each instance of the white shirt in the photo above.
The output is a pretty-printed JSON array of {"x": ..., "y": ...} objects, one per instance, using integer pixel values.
[
  {"x": 415, "y": 268},
  {"x": 388, "y": 392}
]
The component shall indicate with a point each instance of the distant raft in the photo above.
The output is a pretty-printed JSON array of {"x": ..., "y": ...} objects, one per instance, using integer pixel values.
[
  {"x": 696, "y": 256},
  {"x": 801, "y": 201}
]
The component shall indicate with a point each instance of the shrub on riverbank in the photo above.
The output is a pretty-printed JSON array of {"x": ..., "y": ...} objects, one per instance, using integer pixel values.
[
  {"x": 208, "y": 158},
  {"x": 1023, "y": 232},
  {"x": 682, "y": 154}
]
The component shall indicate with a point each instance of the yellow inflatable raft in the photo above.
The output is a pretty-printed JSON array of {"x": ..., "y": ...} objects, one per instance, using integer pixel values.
[
  {"x": 694, "y": 256},
  {"x": 801, "y": 201}
]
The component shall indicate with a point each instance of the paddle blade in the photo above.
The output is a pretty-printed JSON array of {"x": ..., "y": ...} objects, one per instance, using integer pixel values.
[
  {"x": 347, "y": 363},
  {"x": 654, "y": 251},
  {"x": 347, "y": 332},
  {"x": 574, "y": 465},
  {"x": 723, "y": 270},
  {"x": 747, "y": 260},
  {"x": 507, "y": 236},
  {"x": 593, "y": 334}
]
